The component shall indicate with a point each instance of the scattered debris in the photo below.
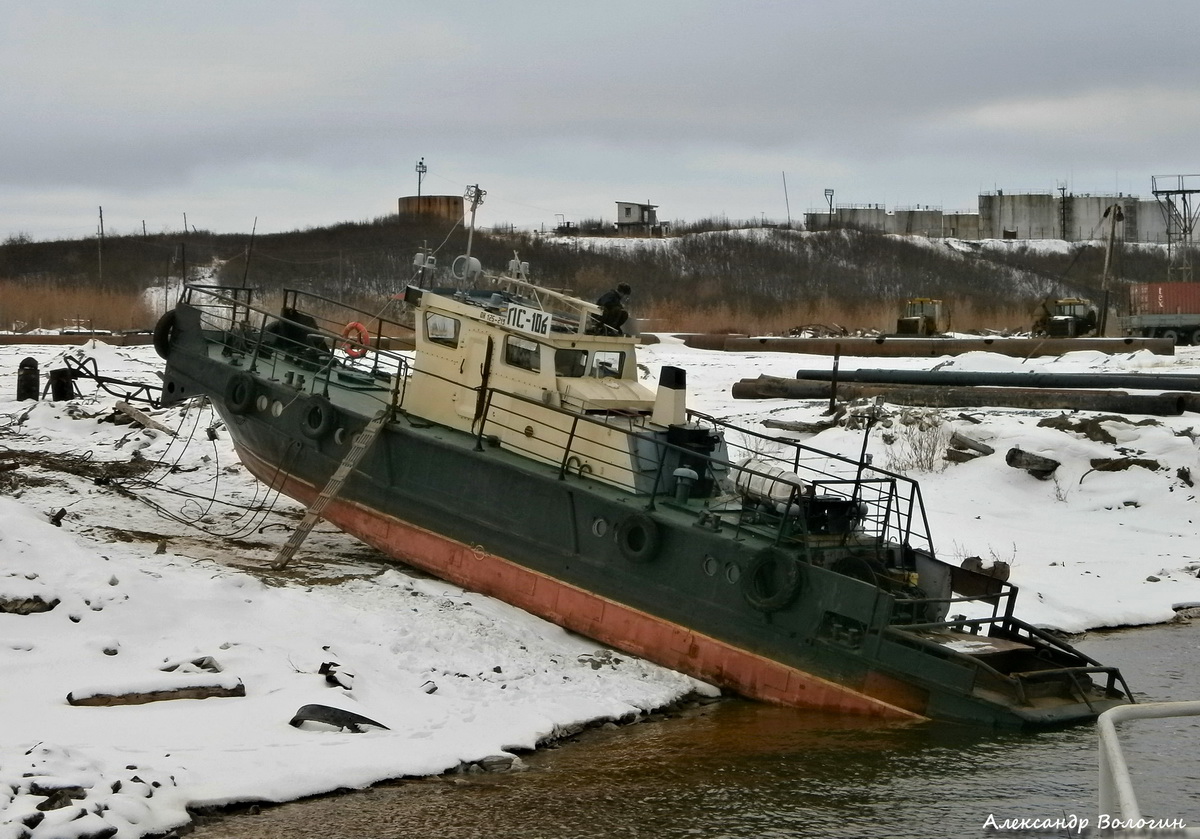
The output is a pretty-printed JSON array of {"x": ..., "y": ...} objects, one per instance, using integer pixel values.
[
  {"x": 335, "y": 676},
  {"x": 1035, "y": 464},
  {"x": 26, "y": 605},
  {"x": 1118, "y": 464},
  {"x": 1091, "y": 427},
  {"x": 336, "y": 717}
]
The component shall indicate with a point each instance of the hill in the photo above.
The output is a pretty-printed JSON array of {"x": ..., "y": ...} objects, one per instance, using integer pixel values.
[{"x": 759, "y": 279}]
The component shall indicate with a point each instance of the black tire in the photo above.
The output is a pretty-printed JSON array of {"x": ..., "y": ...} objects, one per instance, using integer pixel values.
[
  {"x": 318, "y": 419},
  {"x": 1172, "y": 334},
  {"x": 164, "y": 331},
  {"x": 638, "y": 538},
  {"x": 772, "y": 581},
  {"x": 240, "y": 393},
  {"x": 1196, "y": 338}
]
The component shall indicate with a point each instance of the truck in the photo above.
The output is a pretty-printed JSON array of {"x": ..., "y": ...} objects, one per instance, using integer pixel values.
[
  {"x": 922, "y": 316},
  {"x": 1164, "y": 310},
  {"x": 1067, "y": 317}
]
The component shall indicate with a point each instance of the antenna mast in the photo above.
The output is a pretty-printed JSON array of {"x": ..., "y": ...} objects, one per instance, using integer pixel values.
[{"x": 421, "y": 170}]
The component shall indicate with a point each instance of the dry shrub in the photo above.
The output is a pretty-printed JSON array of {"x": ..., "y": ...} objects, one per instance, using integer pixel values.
[{"x": 53, "y": 307}]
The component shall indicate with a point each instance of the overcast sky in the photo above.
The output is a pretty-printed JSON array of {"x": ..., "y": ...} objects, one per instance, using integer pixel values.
[{"x": 303, "y": 114}]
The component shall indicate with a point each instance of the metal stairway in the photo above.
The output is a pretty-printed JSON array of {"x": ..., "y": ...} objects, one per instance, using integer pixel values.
[{"x": 361, "y": 443}]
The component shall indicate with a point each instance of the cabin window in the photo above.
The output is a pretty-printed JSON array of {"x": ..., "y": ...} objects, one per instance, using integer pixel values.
[
  {"x": 521, "y": 353},
  {"x": 608, "y": 364},
  {"x": 570, "y": 363},
  {"x": 441, "y": 329}
]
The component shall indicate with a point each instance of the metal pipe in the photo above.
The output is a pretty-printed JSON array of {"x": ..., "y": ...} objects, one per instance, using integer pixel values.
[
  {"x": 1109, "y": 401},
  {"x": 1130, "y": 381}
]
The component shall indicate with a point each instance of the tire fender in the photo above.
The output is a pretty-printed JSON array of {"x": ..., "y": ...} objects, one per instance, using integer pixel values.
[
  {"x": 772, "y": 580},
  {"x": 164, "y": 331},
  {"x": 318, "y": 419},
  {"x": 240, "y": 393},
  {"x": 638, "y": 537}
]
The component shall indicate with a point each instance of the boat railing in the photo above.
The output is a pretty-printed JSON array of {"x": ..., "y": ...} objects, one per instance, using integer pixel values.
[
  {"x": 303, "y": 344},
  {"x": 871, "y": 503},
  {"x": 891, "y": 504},
  {"x": 1021, "y": 682},
  {"x": 1118, "y": 798}
]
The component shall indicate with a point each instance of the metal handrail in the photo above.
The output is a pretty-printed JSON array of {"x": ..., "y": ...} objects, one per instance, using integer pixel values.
[{"x": 1116, "y": 791}]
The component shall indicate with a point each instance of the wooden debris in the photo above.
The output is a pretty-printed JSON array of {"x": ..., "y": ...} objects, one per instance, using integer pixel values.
[
  {"x": 958, "y": 440},
  {"x": 141, "y": 418},
  {"x": 193, "y": 691}
]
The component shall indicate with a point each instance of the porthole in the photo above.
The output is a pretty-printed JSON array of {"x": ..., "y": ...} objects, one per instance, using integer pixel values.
[
  {"x": 599, "y": 526},
  {"x": 733, "y": 572},
  {"x": 262, "y": 403},
  {"x": 276, "y": 408},
  {"x": 711, "y": 566}
]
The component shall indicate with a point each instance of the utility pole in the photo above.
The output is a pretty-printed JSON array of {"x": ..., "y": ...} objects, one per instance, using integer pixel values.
[
  {"x": 475, "y": 195},
  {"x": 100, "y": 250},
  {"x": 1114, "y": 214},
  {"x": 786, "y": 204},
  {"x": 421, "y": 170}
]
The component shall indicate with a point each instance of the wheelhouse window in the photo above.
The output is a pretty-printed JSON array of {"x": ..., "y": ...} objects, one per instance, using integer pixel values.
[
  {"x": 522, "y": 353},
  {"x": 570, "y": 363},
  {"x": 441, "y": 329},
  {"x": 608, "y": 364}
]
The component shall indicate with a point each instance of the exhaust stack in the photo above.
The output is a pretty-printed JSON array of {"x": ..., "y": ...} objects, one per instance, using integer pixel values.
[{"x": 670, "y": 403}]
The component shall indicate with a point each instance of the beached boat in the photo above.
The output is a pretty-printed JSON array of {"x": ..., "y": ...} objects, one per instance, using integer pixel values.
[{"x": 514, "y": 451}]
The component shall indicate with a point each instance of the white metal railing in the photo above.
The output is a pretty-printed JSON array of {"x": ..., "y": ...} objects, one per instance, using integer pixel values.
[{"x": 1117, "y": 797}]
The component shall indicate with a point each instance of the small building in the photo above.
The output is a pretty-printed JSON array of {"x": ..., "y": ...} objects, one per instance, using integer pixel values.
[{"x": 634, "y": 218}]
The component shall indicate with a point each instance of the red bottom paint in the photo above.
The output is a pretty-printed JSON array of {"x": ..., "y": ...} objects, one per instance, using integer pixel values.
[{"x": 609, "y": 622}]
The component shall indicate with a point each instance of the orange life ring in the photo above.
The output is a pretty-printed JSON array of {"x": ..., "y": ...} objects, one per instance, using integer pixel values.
[{"x": 356, "y": 332}]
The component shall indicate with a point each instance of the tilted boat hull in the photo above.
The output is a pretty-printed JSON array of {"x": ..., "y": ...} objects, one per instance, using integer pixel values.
[{"x": 480, "y": 512}]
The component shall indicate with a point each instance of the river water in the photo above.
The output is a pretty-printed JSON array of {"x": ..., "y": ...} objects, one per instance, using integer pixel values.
[{"x": 742, "y": 769}]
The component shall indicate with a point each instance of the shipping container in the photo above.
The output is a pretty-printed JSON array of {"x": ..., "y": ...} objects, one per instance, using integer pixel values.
[{"x": 1164, "y": 298}]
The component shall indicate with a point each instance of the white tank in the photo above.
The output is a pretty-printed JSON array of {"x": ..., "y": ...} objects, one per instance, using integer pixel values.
[{"x": 766, "y": 482}]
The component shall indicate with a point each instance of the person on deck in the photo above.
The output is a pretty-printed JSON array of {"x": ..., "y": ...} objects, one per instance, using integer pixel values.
[{"x": 612, "y": 315}]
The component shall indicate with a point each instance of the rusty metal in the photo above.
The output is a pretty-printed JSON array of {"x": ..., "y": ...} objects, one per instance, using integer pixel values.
[{"x": 884, "y": 347}]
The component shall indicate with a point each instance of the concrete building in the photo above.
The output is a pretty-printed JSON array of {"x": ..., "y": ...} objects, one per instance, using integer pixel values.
[
  {"x": 634, "y": 218},
  {"x": 1027, "y": 215}
]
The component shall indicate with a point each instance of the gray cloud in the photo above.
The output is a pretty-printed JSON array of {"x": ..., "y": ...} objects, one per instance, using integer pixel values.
[{"x": 321, "y": 108}]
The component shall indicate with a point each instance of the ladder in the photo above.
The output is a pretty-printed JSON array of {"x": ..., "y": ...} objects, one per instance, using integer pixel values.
[{"x": 361, "y": 443}]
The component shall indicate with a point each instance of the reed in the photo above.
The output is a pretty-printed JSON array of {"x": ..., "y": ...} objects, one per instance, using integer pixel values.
[{"x": 23, "y": 307}]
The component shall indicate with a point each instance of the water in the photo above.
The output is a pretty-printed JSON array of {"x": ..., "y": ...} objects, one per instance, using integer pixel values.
[{"x": 741, "y": 769}]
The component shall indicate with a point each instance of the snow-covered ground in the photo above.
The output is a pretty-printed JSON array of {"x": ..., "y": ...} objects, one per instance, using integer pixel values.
[{"x": 159, "y": 572}]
